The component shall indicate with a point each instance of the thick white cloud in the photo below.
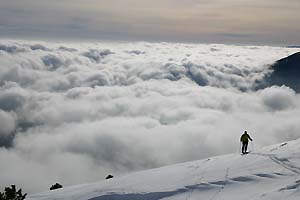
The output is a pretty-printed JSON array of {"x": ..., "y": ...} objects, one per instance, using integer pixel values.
[
  {"x": 76, "y": 112},
  {"x": 278, "y": 98},
  {"x": 7, "y": 123}
]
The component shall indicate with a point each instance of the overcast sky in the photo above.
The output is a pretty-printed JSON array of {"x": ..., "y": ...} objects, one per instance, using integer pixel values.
[{"x": 217, "y": 21}]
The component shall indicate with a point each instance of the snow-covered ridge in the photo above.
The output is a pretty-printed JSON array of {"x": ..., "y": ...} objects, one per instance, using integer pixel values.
[{"x": 270, "y": 173}]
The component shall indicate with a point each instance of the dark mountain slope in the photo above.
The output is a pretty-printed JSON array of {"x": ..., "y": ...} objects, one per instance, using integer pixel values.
[{"x": 286, "y": 71}]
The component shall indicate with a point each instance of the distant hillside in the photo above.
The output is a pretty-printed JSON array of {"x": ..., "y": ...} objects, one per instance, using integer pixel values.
[{"x": 286, "y": 71}]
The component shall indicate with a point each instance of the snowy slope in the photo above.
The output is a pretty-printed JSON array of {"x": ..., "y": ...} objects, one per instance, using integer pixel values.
[{"x": 270, "y": 173}]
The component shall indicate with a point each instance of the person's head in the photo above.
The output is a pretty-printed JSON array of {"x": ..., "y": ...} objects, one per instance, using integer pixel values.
[{"x": 245, "y": 132}]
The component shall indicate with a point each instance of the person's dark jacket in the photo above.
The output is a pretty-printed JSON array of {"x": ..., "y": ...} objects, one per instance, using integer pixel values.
[{"x": 245, "y": 137}]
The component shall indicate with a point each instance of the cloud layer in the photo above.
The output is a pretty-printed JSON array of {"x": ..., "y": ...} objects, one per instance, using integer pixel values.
[{"x": 73, "y": 113}]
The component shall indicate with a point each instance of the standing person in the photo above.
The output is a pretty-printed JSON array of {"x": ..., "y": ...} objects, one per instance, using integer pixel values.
[{"x": 244, "y": 140}]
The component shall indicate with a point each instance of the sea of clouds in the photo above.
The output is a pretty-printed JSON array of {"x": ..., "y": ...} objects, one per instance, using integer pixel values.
[{"x": 75, "y": 112}]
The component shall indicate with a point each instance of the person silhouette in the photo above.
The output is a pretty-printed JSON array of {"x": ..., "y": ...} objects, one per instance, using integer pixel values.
[{"x": 244, "y": 140}]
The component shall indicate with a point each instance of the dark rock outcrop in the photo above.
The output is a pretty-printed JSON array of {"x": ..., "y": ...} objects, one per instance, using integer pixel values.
[
  {"x": 109, "y": 176},
  {"x": 56, "y": 186}
]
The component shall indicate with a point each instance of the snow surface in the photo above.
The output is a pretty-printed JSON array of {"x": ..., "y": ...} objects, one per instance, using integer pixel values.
[{"x": 270, "y": 173}]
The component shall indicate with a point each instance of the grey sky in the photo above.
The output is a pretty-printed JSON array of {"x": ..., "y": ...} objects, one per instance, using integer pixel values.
[{"x": 219, "y": 21}]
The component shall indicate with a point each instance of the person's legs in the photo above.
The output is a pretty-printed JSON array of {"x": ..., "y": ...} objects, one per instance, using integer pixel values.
[{"x": 244, "y": 147}]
